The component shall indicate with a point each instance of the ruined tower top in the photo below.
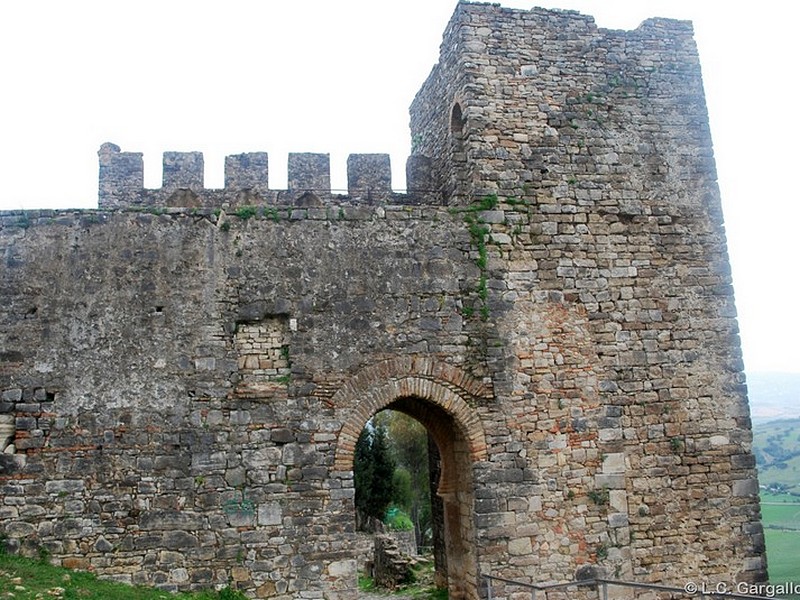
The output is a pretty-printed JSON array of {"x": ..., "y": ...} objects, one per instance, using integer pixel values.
[{"x": 520, "y": 98}]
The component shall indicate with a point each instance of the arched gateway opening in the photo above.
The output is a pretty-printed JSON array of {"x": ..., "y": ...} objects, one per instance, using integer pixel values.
[{"x": 439, "y": 396}]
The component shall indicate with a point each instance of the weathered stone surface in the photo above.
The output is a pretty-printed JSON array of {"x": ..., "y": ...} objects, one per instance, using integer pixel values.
[
  {"x": 369, "y": 176},
  {"x": 270, "y": 513},
  {"x": 391, "y": 567},
  {"x": 102, "y": 545}
]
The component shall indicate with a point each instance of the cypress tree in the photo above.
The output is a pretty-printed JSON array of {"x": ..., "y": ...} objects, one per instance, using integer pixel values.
[{"x": 373, "y": 472}]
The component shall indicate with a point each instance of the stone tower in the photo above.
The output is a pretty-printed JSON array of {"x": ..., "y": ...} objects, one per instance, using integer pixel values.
[
  {"x": 184, "y": 372},
  {"x": 608, "y": 235}
]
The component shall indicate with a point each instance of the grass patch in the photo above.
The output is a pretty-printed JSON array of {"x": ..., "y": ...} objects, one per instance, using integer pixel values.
[
  {"x": 781, "y": 516},
  {"x": 766, "y": 497},
  {"x": 246, "y": 212},
  {"x": 27, "y": 579},
  {"x": 783, "y": 548},
  {"x": 366, "y": 583},
  {"x": 781, "y": 520},
  {"x": 421, "y": 589}
]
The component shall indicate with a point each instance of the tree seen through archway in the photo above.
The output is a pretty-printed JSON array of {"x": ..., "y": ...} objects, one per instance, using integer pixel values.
[
  {"x": 392, "y": 475},
  {"x": 374, "y": 476}
]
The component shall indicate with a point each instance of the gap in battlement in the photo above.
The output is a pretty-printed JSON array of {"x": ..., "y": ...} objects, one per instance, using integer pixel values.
[
  {"x": 338, "y": 173},
  {"x": 153, "y": 171},
  {"x": 278, "y": 170},
  {"x": 214, "y": 169}
]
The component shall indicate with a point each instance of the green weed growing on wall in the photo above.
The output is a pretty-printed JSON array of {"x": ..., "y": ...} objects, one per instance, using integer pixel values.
[{"x": 478, "y": 230}]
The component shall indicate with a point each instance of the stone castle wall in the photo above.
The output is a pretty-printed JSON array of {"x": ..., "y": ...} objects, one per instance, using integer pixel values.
[{"x": 184, "y": 372}]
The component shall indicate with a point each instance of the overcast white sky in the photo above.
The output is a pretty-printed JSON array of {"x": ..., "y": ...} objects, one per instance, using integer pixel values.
[{"x": 338, "y": 76}]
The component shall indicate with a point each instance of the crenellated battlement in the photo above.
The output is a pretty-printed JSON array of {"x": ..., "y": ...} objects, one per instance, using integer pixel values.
[{"x": 369, "y": 180}]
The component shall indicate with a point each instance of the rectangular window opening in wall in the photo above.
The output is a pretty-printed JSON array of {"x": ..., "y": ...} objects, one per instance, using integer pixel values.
[{"x": 264, "y": 360}]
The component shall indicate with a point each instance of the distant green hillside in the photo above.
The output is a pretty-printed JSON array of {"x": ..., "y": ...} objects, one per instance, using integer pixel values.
[{"x": 776, "y": 445}]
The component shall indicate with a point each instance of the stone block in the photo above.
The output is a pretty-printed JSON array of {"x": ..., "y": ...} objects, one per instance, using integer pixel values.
[
  {"x": 745, "y": 487},
  {"x": 179, "y": 540},
  {"x": 102, "y": 545},
  {"x": 520, "y": 546},
  {"x": 281, "y": 435},
  {"x": 121, "y": 178},
  {"x": 236, "y": 478},
  {"x": 12, "y": 395},
  {"x": 309, "y": 172},
  {"x": 419, "y": 175},
  {"x": 492, "y": 216},
  {"x": 342, "y": 568},
  {"x": 183, "y": 170},
  {"x": 369, "y": 174},
  {"x": 25, "y": 423},
  {"x": 76, "y": 563},
  {"x": 612, "y": 482},
  {"x": 179, "y": 575},
  {"x": 167, "y": 558},
  {"x": 248, "y": 171},
  {"x": 65, "y": 486},
  {"x": 614, "y": 462},
  {"x": 19, "y": 529},
  {"x": 169, "y": 520},
  {"x": 270, "y": 513},
  {"x": 618, "y": 520},
  {"x": 618, "y": 500}
]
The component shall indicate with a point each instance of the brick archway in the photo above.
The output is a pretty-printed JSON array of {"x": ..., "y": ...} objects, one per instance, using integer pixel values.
[
  {"x": 377, "y": 386},
  {"x": 441, "y": 397}
]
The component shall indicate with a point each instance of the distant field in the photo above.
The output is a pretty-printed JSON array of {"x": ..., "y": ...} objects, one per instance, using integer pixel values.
[
  {"x": 783, "y": 556},
  {"x": 781, "y": 520},
  {"x": 767, "y": 498},
  {"x": 780, "y": 515}
]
